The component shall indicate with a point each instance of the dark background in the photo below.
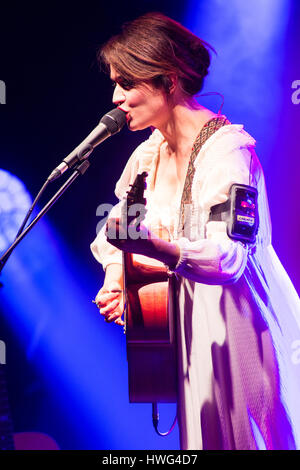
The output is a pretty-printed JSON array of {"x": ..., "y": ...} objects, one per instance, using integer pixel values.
[{"x": 55, "y": 97}]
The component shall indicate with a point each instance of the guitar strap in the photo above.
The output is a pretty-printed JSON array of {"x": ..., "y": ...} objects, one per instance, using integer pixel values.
[{"x": 208, "y": 130}]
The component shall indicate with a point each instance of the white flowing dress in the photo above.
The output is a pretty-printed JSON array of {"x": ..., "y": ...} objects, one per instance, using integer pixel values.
[{"x": 238, "y": 314}]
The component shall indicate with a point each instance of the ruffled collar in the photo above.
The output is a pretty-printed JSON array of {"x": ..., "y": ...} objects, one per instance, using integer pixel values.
[
  {"x": 148, "y": 156},
  {"x": 148, "y": 152}
]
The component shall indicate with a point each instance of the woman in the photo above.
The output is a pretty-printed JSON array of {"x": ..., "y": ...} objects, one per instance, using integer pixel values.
[{"x": 238, "y": 315}]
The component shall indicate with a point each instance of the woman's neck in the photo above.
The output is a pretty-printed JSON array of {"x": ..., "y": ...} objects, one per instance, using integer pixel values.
[{"x": 185, "y": 121}]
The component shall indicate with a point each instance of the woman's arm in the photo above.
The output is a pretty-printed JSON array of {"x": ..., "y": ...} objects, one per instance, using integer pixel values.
[{"x": 215, "y": 259}]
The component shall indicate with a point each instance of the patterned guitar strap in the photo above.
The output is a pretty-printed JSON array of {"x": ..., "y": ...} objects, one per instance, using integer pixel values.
[{"x": 208, "y": 129}]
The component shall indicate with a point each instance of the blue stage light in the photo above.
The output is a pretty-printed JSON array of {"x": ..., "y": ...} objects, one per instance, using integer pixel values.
[
  {"x": 15, "y": 201},
  {"x": 249, "y": 38}
]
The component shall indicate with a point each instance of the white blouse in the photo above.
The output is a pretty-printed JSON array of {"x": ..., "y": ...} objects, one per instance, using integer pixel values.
[{"x": 238, "y": 314}]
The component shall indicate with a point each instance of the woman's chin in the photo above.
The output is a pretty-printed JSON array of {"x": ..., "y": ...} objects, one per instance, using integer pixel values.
[{"x": 132, "y": 126}]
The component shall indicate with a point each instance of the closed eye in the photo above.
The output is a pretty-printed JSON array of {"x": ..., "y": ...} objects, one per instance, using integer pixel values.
[
  {"x": 126, "y": 84},
  {"x": 123, "y": 83}
]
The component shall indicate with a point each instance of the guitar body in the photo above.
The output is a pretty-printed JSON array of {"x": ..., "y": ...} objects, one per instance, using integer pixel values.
[
  {"x": 149, "y": 321},
  {"x": 150, "y": 333}
]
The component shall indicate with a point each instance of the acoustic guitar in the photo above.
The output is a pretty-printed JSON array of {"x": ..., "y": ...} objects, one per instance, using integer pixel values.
[{"x": 149, "y": 319}]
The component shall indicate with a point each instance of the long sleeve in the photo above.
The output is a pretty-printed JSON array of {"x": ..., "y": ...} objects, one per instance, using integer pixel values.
[
  {"x": 104, "y": 252},
  {"x": 215, "y": 258}
]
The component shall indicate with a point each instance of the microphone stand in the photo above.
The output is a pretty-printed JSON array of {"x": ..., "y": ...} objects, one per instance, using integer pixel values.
[{"x": 80, "y": 169}]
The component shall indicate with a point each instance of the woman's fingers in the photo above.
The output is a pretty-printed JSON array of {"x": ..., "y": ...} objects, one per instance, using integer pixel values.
[
  {"x": 113, "y": 317},
  {"x": 109, "y": 301},
  {"x": 109, "y": 308},
  {"x": 112, "y": 229},
  {"x": 103, "y": 299}
]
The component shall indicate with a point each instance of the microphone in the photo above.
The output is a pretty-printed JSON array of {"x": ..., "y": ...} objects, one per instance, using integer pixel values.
[{"x": 111, "y": 123}]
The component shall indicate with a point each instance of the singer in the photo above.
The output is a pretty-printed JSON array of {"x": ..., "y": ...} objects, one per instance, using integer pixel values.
[{"x": 238, "y": 314}]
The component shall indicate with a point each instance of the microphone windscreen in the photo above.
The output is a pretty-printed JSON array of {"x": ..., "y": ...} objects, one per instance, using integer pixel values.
[{"x": 114, "y": 120}]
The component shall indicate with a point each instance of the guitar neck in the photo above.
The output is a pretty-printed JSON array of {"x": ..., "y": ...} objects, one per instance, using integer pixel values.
[{"x": 6, "y": 427}]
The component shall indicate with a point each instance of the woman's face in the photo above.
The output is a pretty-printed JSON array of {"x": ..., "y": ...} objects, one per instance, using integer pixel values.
[{"x": 143, "y": 104}]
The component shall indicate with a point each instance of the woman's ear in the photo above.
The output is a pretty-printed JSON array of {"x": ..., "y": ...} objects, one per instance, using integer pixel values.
[
  {"x": 169, "y": 83},
  {"x": 172, "y": 82}
]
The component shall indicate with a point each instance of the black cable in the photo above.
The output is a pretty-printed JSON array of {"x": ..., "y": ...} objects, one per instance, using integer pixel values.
[
  {"x": 155, "y": 421},
  {"x": 209, "y": 93}
]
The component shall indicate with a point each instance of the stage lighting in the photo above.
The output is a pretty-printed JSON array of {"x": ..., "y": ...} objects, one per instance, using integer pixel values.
[{"x": 15, "y": 201}]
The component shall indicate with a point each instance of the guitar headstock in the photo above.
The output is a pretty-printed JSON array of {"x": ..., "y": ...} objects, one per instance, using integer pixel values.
[{"x": 136, "y": 193}]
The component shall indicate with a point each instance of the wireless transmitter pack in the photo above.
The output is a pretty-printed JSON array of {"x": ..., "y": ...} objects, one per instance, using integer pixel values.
[{"x": 240, "y": 212}]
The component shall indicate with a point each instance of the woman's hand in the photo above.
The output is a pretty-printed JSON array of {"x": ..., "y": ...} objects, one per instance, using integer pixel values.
[
  {"x": 110, "y": 303},
  {"x": 132, "y": 238},
  {"x": 137, "y": 238},
  {"x": 110, "y": 299}
]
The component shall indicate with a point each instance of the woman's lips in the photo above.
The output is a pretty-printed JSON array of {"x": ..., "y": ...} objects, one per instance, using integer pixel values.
[{"x": 126, "y": 112}]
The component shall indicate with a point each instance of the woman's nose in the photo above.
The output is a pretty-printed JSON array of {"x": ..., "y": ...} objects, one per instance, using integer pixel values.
[{"x": 118, "y": 95}]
